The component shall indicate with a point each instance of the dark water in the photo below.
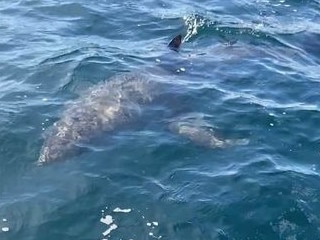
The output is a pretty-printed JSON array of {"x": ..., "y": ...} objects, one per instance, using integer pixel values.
[{"x": 251, "y": 68}]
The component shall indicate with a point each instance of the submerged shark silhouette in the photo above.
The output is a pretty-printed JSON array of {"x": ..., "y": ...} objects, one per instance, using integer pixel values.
[{"x": 110, "y": 105}]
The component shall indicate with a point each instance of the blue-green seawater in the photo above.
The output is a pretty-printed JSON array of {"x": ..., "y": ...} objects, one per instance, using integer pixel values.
[{"x": 251, "y": 68}]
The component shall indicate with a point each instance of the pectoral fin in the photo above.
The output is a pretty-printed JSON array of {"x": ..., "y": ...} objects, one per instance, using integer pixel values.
[
  {"x": 202, "y": 135},
  {"x": 198, "y": 135}
]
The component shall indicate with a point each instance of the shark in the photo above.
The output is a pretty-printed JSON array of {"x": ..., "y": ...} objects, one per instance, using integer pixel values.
[{"x": 110, "y": 105}]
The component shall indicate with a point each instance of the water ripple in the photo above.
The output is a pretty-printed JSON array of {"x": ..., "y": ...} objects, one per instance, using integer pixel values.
[{"x": 246, "y": 69}]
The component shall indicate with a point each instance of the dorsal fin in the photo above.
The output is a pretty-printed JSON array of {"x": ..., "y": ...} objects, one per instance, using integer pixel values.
[{"x": 175, "y": 43}]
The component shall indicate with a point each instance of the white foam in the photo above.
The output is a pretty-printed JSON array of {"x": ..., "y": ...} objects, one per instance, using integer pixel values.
[
  {"x": 112, "y": 223},
  {"x": 122, "y": 210},
  {"x": 107, "y": 220},
  {"x": 5, "y": 229},
  {"x": 153, "y": 223},
  {"x": 111, "y": 228},
  {"x": 4, "y": 220}
]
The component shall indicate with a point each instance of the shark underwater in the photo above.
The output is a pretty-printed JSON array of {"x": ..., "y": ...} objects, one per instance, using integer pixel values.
[{"x": 110, "y": 105}]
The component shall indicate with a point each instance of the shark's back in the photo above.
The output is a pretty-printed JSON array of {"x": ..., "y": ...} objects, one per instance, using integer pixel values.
[{"x": 102, "y": 108}]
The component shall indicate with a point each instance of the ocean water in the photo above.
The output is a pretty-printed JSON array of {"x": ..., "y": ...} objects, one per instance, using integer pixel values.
[{"x": 249, "y": 69}]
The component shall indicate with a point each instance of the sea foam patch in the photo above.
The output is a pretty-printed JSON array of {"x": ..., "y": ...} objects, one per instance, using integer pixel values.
[
  {"x": 4, "y": 227},
  {"x": 107, "y": 219},
  {"x": 117, "y": 220},
  {"x": 122, "y": 210}
]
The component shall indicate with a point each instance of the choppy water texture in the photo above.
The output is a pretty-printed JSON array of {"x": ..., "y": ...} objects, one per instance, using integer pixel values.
[{"x": 249, "y": 69}]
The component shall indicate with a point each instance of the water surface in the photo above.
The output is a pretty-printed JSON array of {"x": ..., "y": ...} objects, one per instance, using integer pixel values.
[{"x": 251, "y": 68}]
